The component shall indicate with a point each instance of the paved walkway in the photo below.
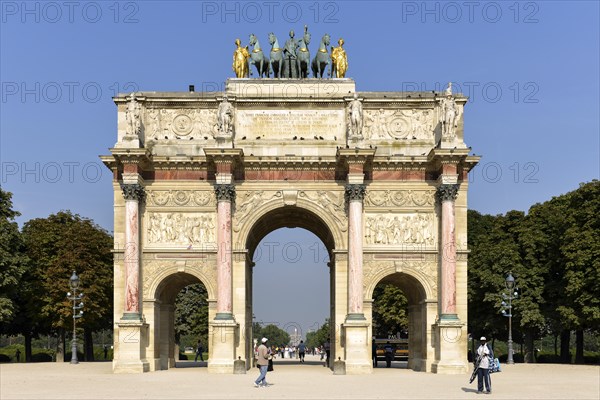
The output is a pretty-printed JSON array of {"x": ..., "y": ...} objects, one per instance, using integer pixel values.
[{"x": 291, "y": 381}]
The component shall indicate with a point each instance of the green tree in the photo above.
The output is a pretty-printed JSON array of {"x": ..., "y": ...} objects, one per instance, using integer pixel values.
[
  {"x": 545, "y": 226},
  {"x": 13, "y": 262},
  {"x": 191, "y": 315},
  {"x": 390, "y": 310},
  {"x": 57, "y": 246},
  {"x": 276, "y": 335},
  {"x": 581, "y": 249},
  {"x": 318, "y": 337}
]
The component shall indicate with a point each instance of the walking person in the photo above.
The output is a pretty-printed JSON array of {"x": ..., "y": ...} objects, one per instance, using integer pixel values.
[
  {"x": 18, "y": 355},
  {"x": 374, "y": 351},
  {"x": 389, "y": 354},
  {"x": 327, "y": 347},
  {"x": 483, "y": 372},
  {"x": 199, "y": 351},
  {"x": 105, "y": 351},
  {"x": 301, "y": 350},
  {"x": 271, "y": 358},
  {"x": 262, "y": 361}
]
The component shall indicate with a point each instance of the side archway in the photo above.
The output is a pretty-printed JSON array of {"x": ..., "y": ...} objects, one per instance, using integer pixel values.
[
  {"x": 419, "y": 292},
  {"x": 161, "y": 287}
]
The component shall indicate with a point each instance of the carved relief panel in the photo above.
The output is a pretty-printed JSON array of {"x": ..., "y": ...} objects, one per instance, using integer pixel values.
[
  {"x": 400, "y": 229},
  {"x": 179, "y": 229},
  {"x": 184, "y": 123},
  {"x": 400, "y": 198},
  {"x": 424, "y": 270},
  {"x": 415, "y": 124},
  {"x": 180, "y": 198}
]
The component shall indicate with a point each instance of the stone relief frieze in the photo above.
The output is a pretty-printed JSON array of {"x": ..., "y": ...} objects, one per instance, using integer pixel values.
[
  {"x": 399, "y": 124},
  {"x": 154, "y": 270},
  {"x": 180, "y": 229},
  {"x": 413, "y": 228},
  {"x": 400, "y": 198},
  {"x": 333, "y": 203},
  {"x": 180, "y": 198},
  {"x": 249, "y": 201},
  {"x": 165, "y": 124},
  {"x": 375, "y": 271}
]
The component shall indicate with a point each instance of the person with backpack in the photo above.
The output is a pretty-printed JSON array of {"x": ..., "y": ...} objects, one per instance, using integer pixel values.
[{"x": 483, "y": 363}]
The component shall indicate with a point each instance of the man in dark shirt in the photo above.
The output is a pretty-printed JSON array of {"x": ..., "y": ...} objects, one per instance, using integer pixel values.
[
  {"x": 389, "y": 354},
  {"x": 301, "y": 350}
]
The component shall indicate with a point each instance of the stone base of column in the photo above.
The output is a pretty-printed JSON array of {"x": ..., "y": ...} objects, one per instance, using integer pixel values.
[
  {"x": 223, "y": 340},
  {"x": 131, "y": 356},
  {"x": 356, "y": 345},
  {"x": 450, "y": 357}
]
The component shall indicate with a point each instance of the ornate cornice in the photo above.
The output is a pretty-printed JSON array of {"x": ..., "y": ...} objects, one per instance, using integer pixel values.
[
  {"x": 355, "y": 192},
  {"x": 447, "y": 192},
  {"x": 133, "y": 191},
  {"x": 225, "y": 192}
]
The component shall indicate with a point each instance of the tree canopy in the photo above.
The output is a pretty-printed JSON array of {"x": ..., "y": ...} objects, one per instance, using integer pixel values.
[
  {"x": 554, "y": 254},
  {"x": 191, "y": 316},
  {"x": 13, "y": 262}
]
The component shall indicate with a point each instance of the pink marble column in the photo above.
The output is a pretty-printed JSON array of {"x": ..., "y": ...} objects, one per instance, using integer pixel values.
[
  {"x": 355, "y": 194},
  {"x": 447, "y": 194},
  {"x": 225, "y": 195},
  {"x": 133, "y": 194}
]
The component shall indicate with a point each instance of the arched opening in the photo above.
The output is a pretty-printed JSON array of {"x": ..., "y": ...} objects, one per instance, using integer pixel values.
[
  {"x": 291, "y": 281},
  {"x": 180, "y": 320},
  {"x": 399, "y": 317}
]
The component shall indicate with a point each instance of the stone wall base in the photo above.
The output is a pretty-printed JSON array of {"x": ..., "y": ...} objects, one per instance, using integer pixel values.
[
  {"x": 132, "y": 335},
  {"x": 223, "y": 340},
  {"x": 356, "y": 335}
]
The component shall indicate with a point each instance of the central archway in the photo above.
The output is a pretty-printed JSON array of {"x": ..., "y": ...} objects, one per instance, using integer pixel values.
[{"x": 289, "y": 217}]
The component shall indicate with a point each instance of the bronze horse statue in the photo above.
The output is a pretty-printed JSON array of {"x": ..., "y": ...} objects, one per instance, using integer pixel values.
[
  {"x": 322, "y": 59},
  {"x": 276, "y": 63},
  {"x": 303, "y": 54},
  {"x": 258, "y": 58}
]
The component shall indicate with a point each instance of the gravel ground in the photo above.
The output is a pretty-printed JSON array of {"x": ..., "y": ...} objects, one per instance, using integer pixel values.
[{"x": 291, "y": 381}]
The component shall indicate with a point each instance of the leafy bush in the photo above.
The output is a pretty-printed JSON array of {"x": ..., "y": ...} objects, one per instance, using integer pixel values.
[
  {"x": 4, "y": 358},
  {"x": 41, "y": 357},
  {"x": 182, "y": 356},
  {"x": 517, "y": 357},
  {"x": 548, "y": 358},
  {"x": 80, "y": 356},
  {"x": 590, "y": 357},
  {"x": 99, "y": 354}
]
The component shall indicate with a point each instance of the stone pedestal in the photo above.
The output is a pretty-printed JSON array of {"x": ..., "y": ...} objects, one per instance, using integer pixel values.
[
  {"x": 223, "y": 335},
  {"x": 449, "y": 343},
  {"x": 131, "y": 344},
  {"x": 356, "y": 344}
]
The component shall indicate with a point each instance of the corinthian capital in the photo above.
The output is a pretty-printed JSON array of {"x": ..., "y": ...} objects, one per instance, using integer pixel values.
[
  {"x": 225, "y": 192},
  {"x": 355, "y": 191},
  {"x": 133, "y": 191},
  {"x": 447, "y": 192}
]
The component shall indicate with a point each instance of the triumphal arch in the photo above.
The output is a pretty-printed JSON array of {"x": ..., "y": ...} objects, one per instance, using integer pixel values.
[{"x": 200, "y": 178}]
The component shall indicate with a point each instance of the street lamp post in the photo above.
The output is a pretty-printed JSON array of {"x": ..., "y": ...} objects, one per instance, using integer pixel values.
[
  {"x": 74, "y": 297},
  {"x": 510, "y": 285}
]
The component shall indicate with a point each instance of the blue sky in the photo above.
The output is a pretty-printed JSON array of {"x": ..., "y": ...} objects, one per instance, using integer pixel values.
[{"x": 531, "y": 70}]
